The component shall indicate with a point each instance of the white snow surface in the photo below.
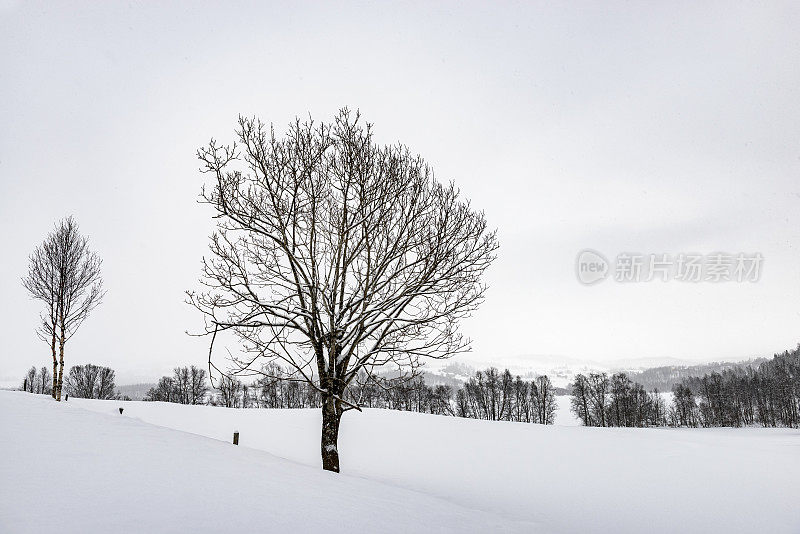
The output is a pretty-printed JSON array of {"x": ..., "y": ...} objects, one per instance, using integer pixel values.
[
  {"x": 401, "y": 472},
  {"x": 70, "y": 470}
]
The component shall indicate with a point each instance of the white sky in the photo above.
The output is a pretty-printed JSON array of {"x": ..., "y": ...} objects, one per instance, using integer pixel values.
[{"x": 629, "y": 128}]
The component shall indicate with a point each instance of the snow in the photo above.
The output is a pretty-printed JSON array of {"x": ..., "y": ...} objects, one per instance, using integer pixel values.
[
  {"x": 402, "y": 472},
  {"x": 564, "y": 415},
  {"x": 69, "y": 470}
]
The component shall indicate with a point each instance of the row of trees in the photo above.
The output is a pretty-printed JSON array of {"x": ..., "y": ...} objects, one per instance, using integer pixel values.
[
  {"x": 498, "y": 396},
  {"x": 87, "y": 381},
  {"x": 490, "y": 394},
  {"x": 276, "y": 389},
  {"x": 38, "y": 381},
  {"x": 768, "y": 395},
  {"x": 598, "y": 400},
  {"x": 413, "y": 395}
]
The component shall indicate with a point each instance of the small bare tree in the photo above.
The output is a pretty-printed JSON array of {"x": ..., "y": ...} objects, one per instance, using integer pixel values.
[
  {"x": 44, "y": 385},
  {"x": 91, "y": 382},
  {"x": 334, "y": 255},
  {"x": 65, "y": 275},
  {"x": 197, "y": 385},
  {"x": 29, "y": 383},
  {"x": 230, "y": 390}
]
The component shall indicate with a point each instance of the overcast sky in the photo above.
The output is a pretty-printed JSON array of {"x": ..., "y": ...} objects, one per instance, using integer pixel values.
[{"x": 639, "y": 128}]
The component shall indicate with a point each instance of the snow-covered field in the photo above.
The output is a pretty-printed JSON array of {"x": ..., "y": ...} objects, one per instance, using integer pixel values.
[{"x": 402, "y": 472}]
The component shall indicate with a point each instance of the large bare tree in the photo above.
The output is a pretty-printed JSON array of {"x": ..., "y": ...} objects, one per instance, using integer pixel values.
[
  {"x": 65, "y": 275},
  {"x": 336, "y": 257}
]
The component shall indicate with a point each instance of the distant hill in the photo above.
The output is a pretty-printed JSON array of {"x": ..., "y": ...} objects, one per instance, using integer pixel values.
[
  {"x": 663, "y": 378},
  {"x": 135, "y": 391},
  {"x": 659, "y": 373},
  {"x": 560, "y": 369}
]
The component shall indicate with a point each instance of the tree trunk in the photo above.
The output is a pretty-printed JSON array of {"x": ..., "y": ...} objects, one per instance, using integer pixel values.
[
  {"x": 61, "y": 367},
  {"x": 331, "y": 416},
  {"x": 55, "y": 363}
]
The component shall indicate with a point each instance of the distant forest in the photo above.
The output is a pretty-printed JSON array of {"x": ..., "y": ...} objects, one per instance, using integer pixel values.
[
  {"x": 663, "y": 378},
  {"x": 766, "y": 395}
]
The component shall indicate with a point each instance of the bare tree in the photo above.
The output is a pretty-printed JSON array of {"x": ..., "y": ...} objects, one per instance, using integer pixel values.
[
  {"x": 197, "y": 385},
  {"x": 80, "y": 285},
  {"x": 182, "y": 384},
  {"x": 334, "y": 255},
  {"x": 44, "y": 379},
  {"x": 543, "y": 398},
  {"x": 65, "y": 275},
  {"x": 29, "y": 382},
  {"x": 164, "y": 391},
  {"x": 230, "y": 390},
  {"x": 91, "y": 382},
  {"x": 598, "y": 389},
  {"x": 188, "y": 386},
  {"x": 581, "y": 400}
]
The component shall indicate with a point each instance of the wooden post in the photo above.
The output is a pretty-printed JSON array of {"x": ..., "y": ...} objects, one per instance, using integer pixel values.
[{"x": 235, "y": 437}]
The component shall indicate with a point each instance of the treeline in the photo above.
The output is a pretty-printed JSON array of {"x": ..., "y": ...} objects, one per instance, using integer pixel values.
[
  {"x": 768, "y": 395},
  {"x": 188, "y": 385},
  {"x": 598, "y": 400},
  {"x": 489, "y": 394},
  {"x": 276, "y": 389},
  {"x": 87, "y": 381}
]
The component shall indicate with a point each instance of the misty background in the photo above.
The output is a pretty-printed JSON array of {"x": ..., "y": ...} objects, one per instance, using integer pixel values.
[{"x": 621, "y": 128}]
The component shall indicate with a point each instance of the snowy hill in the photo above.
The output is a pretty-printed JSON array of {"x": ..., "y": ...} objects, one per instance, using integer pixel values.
[{"x": 401, "y": 472}]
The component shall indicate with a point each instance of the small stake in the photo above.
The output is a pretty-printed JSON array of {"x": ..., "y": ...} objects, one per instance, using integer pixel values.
[{"x": 235, "y": 437}]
